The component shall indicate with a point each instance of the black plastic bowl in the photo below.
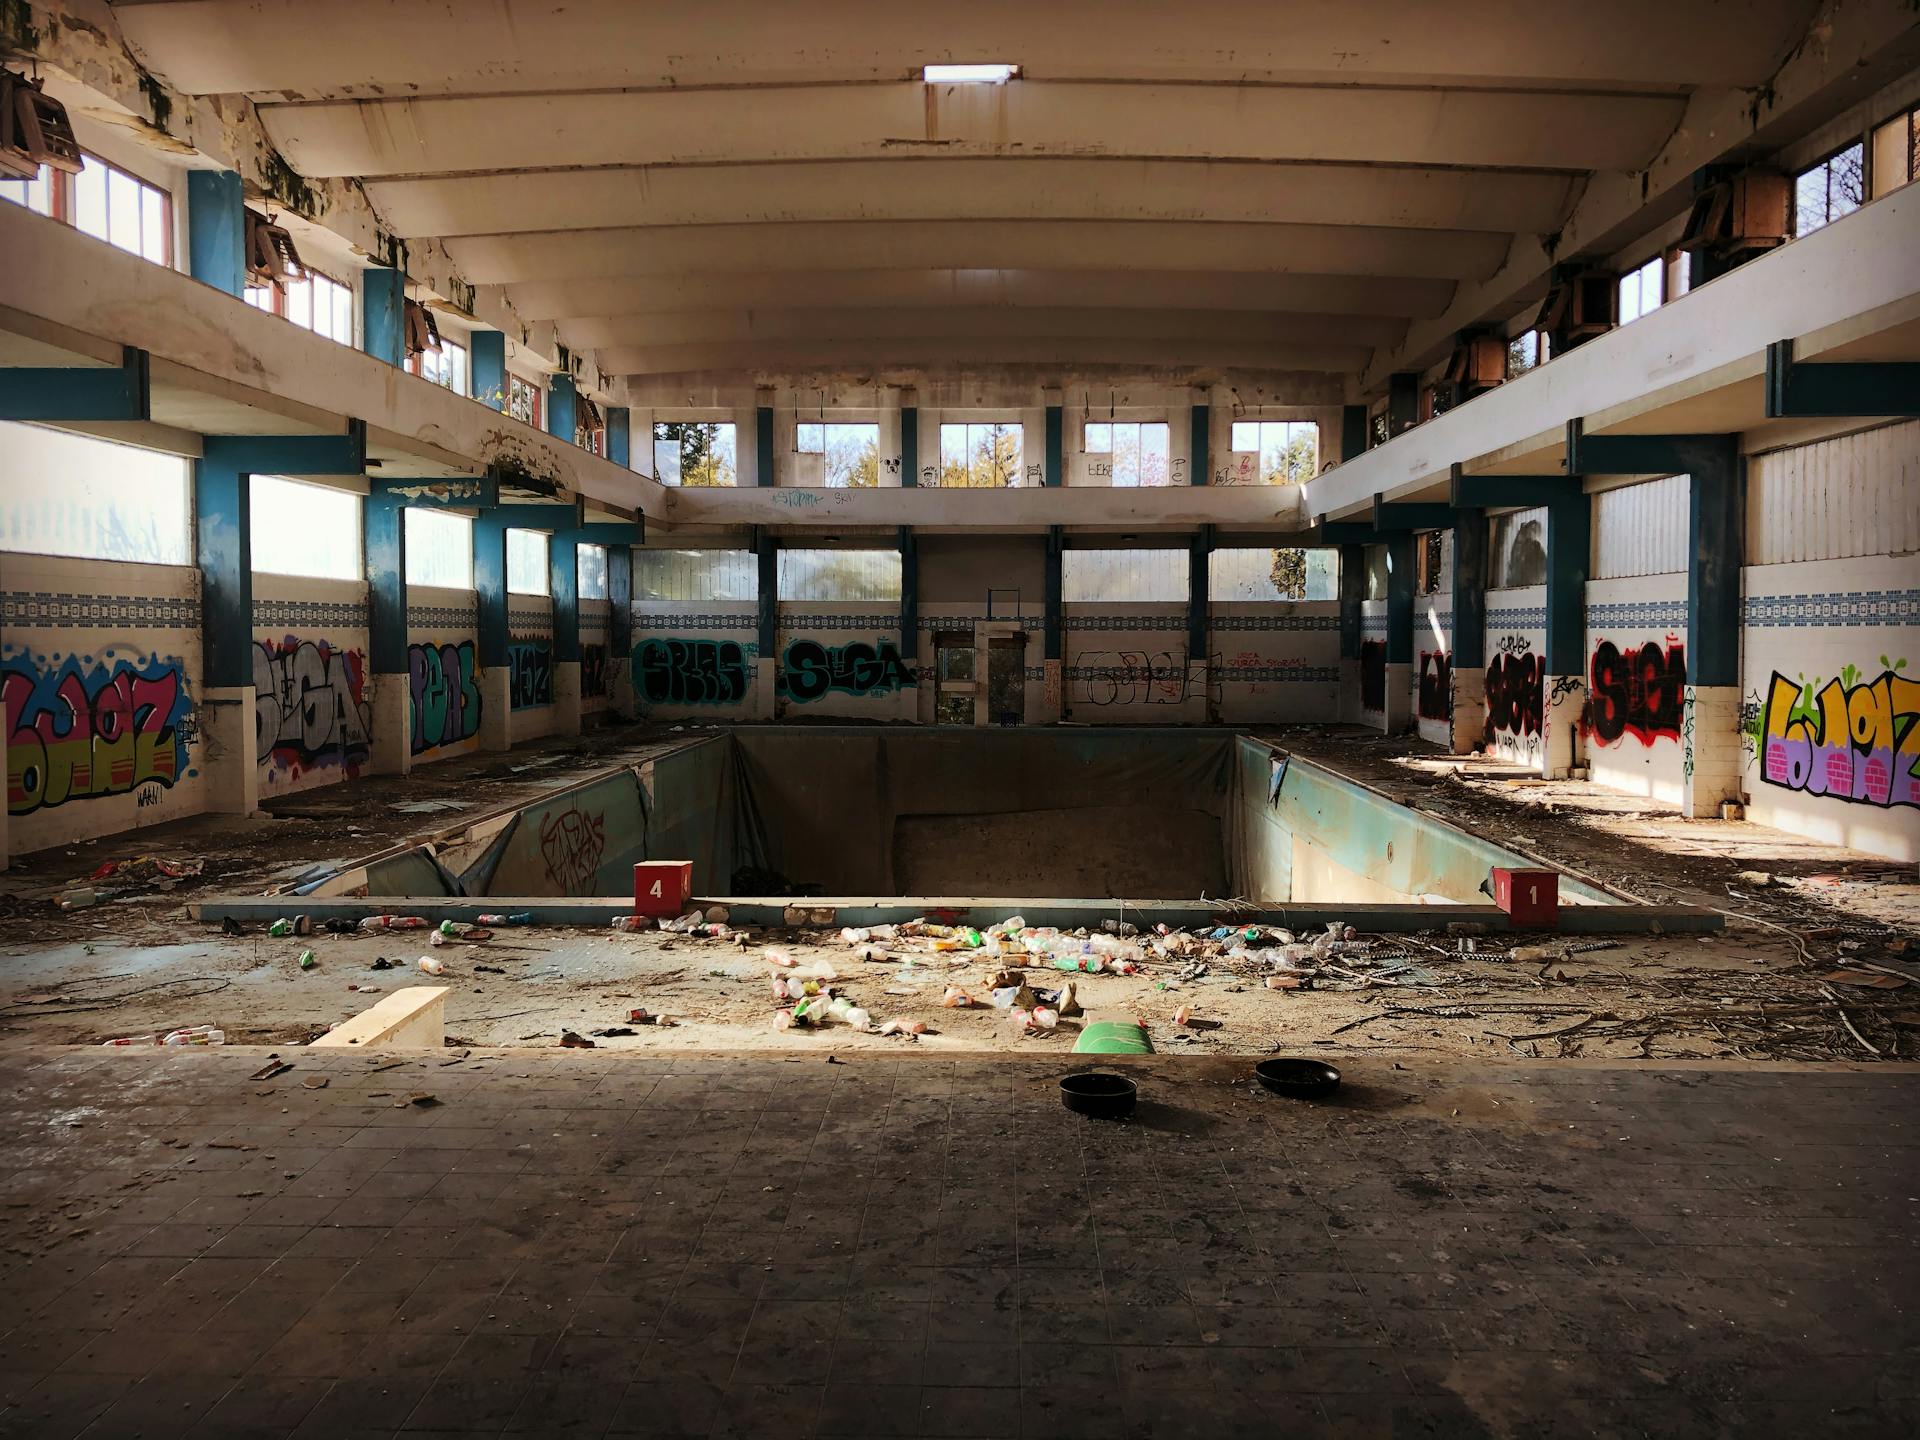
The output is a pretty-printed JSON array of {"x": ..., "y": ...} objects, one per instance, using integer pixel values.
[
  {"x": 1300, "y": 1079},
  {"x": 1099, "y": 1094}
]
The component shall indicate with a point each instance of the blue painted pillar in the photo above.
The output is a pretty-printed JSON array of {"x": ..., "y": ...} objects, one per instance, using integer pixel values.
[
  {"x": 768, "y": 597},
  {"x": 487, "y": 365},
  {"x": 1353, "y": 430},
  {"x": 763, "y": 449},
  {"x": 563, "y": 585},
  {"x": 490, "y": 597},
  {"x": 1200, "y": 466},
  {"x": 1400, "y": 547},
  {"x": 1468, "y": 708},
  {"x": 620, "y": 436},
  {"x": 1056, "y": 445},
  {"x": 1569, "y": 542},
  {"x": 910, "y": 445},
  {"x": 384, "y": 548},
  {"x": 1053, "y": 633},
  {"x": 909, "y": 594},
  {"x": 223, "y": 516},
  {"x": 1199, "y": 570},
  {"x": 384, "y": 334},
  {"x": 217, "y": 231},
  {"x": 561, "y": 406},
  {"x": 620, "y": 628},
  {"x": 1713, "y": 564},
  {"x": 1353, "y": 586}
]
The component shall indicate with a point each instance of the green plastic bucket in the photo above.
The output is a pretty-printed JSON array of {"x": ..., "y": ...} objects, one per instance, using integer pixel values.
[{"x": 1113, "y": 1037}]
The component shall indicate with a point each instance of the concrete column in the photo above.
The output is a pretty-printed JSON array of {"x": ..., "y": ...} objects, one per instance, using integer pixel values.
[
  {"x": 566, "y": 697},
  {"x": 1199, "y": 466},
  {"x": 217, "y": 230},
  {"x": 561, "y": 407},
  {"x": 620, "y": 694},
  {"x": 384, "y": 548},
  {"x": 1353, "y": 585},
  {"x": 1469, "y": 719},
  {"x": 487, "y": 368},
  {"x": 763, "y": 473},
  {"x": 620, "y": 436},
  {"x": 910, "y": 446},
  {"x": 1564, "y": 683},
  {"x": 229, "y": 749},
  {"x": 1469, "y": 658},
  {"x": 1353, "y": 430},
  {"x": 765, "y": 696},
  {"x": 1400, "y": 671},
  {"x": 1055, "y": 446},
  {"x": 384, "y": 314},
  {"x": 1712, "y": 752},
  {"x": 495, "y": 676},
  {"x": 766, "y": 667},
  {"x": 223, "y": 513},
  {"x": 563, "y": 584},
  {"x": 1403, "y": 402}
]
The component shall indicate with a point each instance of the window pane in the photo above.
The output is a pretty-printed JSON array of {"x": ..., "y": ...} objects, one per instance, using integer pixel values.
[
  {"x": 1098, "y": 439},
  {"x": 299, "y": 306},
  {"x": 706, "y": 453},
  {"x": 592, "y": 562},
  {"x": 812, "y": 438},
  {"x": 123, "y": 211},
  {"x": 1123, "y": 575},
  {"x": 63, "y": 494},
  {"x": 852, "y": 456},
  {"x": 839, "y": 574},
  {"x": 1263, "y": 574},
  {"x": 301, "y": 529},
  {"x": 1126, "y": 455},
  {"x": 343, "y": 314},
  {"x": 696, "y": 575},
  {"x": 1847, "y": 189},
  {"x": 153, "y": 225},
  {"x": 666, "y": 461},
  {"x": 262, "y": 297},
  {"x": 1810, "y": 201},
  {"x": 1156, "y": 467},
  {"x": 1246, "y": 436},
  {"x": 953, "y": 455},
  {"x": 90, "y": 198},
  {"x": 439, "y": 549},
  {"x": 527, "y": 562},
  {"x": 36, "y": 194}
]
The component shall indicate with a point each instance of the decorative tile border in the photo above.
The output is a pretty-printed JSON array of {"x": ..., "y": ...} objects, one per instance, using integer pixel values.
[
  {"x": 1373, "y": 625},
  {"x": 1222, "y": 623},
  {"x": 798, "y": 620},
  {"x": 1266, "y": 674},
  {"x": 643, "y": 620},
  {"x": 310, "y": 614},
  {"x": 1141, "y": 624},
  {"x": 967, "y": 622},
  {"x": 442, "y": 617},
  {"x": 1638, "y": 614},
  {"x": 43, "y": 610},
  {"x": 595, "y": 624},
  {"x": 1854, "y": 607},
  {"x": 1533, "y": 617},
  {"x": 530, "y": 619}
]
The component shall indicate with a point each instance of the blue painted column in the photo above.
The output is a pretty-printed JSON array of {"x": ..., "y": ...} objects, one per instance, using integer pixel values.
[
  {"x": 620, "y": 692},
  {"x": 1199, "y": 467},
  {"x": 1469, "y": 657},
  {"x": 1055, "y": 447},
  {"x": 1564, "y": 671},
  {"x": 490, "y": 597},
  {"x": 1353, "y": 430},
  {"x": 1714, "y": 757},
  {"x": 767, "y": 627},
  {"x": 1353, "y": 586},
  {"x": 1054, "y": 628},
  {"x": 487, "y": 367},
  {"x": 384, "y": 322},
  {"x": 563, "y": 585},
  {"x": 763, "y": 446},
  {"x": 909, "y": 446},
  {"x": 620, "y": 436},
  {"x": 1199, "y": 576},
  {"x": 217, "y": 230},
  {"x": 561, "y": 407},
  {"x": 384, "y": 548},
  {"x": 909, "y": 594},
  {"x": 1400, "y": 588},
  {"x": 223, "y": 518}
]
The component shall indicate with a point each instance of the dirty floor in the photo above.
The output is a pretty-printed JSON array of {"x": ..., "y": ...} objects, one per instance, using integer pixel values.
[{"x": 580, "y": 1244}]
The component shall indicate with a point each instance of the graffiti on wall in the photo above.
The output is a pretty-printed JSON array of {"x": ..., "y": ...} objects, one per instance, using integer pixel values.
[
  {"x": 1373, "y": 675},
  {"x": 593, "y": 672},
  {"x": 1514, "y": 681},
  {"x": 571, "y": 844},
  {"x": 1436, "y": 685},
  {"x": 1131, "y": 677},
  {"x": 1852, "y": 739},
  {"x": 691, "y": 672},
  {"x": 811, "y": 669},
  {"x": 86, "y": 728},
  {"x": 446, "y": 697},
  {"x": 1640, "y": 693},
  {"x": 530, "y": 684},
  {"x": 309, "y": 706}
]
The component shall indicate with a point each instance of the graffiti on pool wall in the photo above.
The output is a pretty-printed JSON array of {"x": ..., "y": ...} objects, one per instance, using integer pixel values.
[
  {"x": 1513, "y": 697},
  {"x": 1640, "y": 693},
  {"x": 531, "y": 684},
  {"x": 1373, "y": 675},
  {"x": 1436, "y": 685},
  {"x": 691, "y": 672},
  {"x": 1131, "y": 677},
  {"x": 1853, "y": 739},
  {"x": 812, "y": 669},
  {"x": 446, "y": 698},
  {"x": 571, "y": 844},
  {"x": 87, "y": 728},
  {"x": 309, "y": 705},
  {"x": 593, "y": 671}
]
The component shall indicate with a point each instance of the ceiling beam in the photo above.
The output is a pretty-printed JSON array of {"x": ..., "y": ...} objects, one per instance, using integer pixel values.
[{"x": 1068, "y": 351}]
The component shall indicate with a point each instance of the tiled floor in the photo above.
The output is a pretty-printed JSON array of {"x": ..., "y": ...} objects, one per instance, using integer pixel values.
[{"x": 577, "y": 1244}]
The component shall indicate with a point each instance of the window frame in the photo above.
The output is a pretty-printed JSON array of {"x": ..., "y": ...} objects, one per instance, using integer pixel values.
[
  {"x": 537, "y": 399},
  {"x": 1910, "y": 116},
  {"x": 356, "y": 531},
  {"x": 276, "y": 304},
  {"x": 1140, "y": 427},
  {"x": 1826, "y": 163},
  {"x": 1653, "y": 268},
  {"x": 1016, "y": 481},
  {"x": 417, "y": 365},
  {"x": 825, "y": 449},
  {"x": 63, "y": 205},
  {"x": 1260, "y": 425},
  {"x": 679, "y": 440},
  {"x": 438, "y": 513},
  {"x": 544, "y": 573}
]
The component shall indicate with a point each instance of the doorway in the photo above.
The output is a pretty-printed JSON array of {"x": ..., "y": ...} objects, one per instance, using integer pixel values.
[
  {"x": 953, "y": 682},
  {"x": 1006, "y": 679}
]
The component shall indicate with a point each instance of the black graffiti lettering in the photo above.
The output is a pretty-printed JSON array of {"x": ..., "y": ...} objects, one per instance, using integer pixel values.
[
  {"x": 446, "y": 696},
  {"x": 1436, "y": 685},
  {"x": 691, "y": 672},
  {"x": 812, "y": 669},
  {"x": 1640, "y": 693},
  {"x": 308, "y": 705},
  {"x": 1373, "y": 674},
  {"x": 593, "y": 671},
  {"x": 532, "y": 681},
  {"x": 1514, "y": 684}
]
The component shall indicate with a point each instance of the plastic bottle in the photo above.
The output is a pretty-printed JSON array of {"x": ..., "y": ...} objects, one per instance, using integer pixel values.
[
  {"x": 525, "y": 917},
  {"x": 308, "y": 960},
  {"x": 454, "y": 927},
  {"x": 132, "y": 1040},
  {"x": 195, "y": 1035},
  {"x": 432, "y": 966},
  {"x": 854, "y": 935},
  {"x": 778, "y": 957},
  {"x": 280, "y": 928},
  {"x": 628, "y": 923}
]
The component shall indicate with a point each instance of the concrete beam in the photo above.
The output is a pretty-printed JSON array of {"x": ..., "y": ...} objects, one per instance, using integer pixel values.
[
  {"x": 1268, "y": 509},
  {"x": 411, "y": 1019},
  {"x": 1142, "y": 353}
]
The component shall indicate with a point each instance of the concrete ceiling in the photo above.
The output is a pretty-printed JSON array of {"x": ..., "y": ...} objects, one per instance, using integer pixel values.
[{"x": 753, "y": 188}]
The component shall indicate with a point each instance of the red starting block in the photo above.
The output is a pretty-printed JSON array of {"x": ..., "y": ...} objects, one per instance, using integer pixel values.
[
  {"x": 662, "y": 887},
  {"x": 1530, "y": 897}
]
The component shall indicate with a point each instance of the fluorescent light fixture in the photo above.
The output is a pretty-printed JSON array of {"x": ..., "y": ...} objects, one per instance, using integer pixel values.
[{"x": 969, "y": 74}]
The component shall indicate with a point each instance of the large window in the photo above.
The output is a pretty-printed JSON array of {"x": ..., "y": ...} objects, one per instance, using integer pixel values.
[
  {"x": 1288, "y": 450},
  {"x": 105, "y": 202},
  {"x": 849, "y": 454},
  {"x": 524, "y": 400},
  {"x": 1524, "y": 352},
  {"x": 1896, "y": 153},
  {"x": 439, "y": 549},
  {"x": 302, "y": 529},
  {"x": 1264, "y": 574},
  {"x": 689, "y": 576},
  {"x": 63, "y": 494},
  {"x": 695, "y": 452},
  {"x": 1640, "y": 290},
  {"x": 1123, "y": 575},
  {"x": 446, "y": 367},
  {"x": 527, "y": 572},
  {"x": 590, "y": 568},
  {"x": 1127, "y": 452},
  {"x": 839, "y": 574},
  {"x": 1825, "y": 192},
  {"x": 980, "y": 456},
  {"x": 318, "y": 303}
]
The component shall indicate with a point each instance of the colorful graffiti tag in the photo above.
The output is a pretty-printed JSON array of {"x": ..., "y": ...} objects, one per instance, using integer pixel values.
[
  {"x": 691, "y": 672},
  {"x": 1514, "y": 681},
  {"x": 1640, "y": 693},
  {"x": 309, "y": 706},
  {"x": 446, "y": 697},
  {"x": 1436, "y": 685},
  {"x": 812, "y": 669},
  {"x": 1373, "y": 675},
  {"x": 1853, "y": 739},
  {"x": 88, "y": 728},
  {"x": 531, "y": 663}
]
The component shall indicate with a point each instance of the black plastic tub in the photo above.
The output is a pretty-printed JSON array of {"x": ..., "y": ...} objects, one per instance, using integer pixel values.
[
  {"x": 1298, "y": 1079},
  {"x": 1100, "y": 1094}
]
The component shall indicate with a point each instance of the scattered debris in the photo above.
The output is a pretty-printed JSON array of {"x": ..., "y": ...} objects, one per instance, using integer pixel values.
[
  {"x": 273, "y": 1067},
  {"x": 571, "y": 1041},
  {"x": 314, "y": 1082}
]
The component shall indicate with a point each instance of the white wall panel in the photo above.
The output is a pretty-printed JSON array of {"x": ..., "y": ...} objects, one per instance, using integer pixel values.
[
  {"x": 1836, "y": 499},
  {"x": 1640, "y": 529}
]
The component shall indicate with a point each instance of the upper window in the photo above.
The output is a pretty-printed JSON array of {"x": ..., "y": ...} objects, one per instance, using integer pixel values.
[
  {"x": 1427, "y": 563},
  {"x": 1524, "y": 351},
  {"x": 591, "y": 438},
  {"x": 1834, "y": 187},
  {"x": 446, "y": 367},
  {"x": 849, "y": 454},
  {"x": 303, "y": 529},
  {"x": 1896, "y": 153},
  {"x": 105, "y": 202},
  {"x": 1288, "y": 450},
  {"x": 981, "y": 456},
  {"x": 590, "y": 564},
  {"x": 1640, "y": 290},
  {"x": 694, "y": 452},
  {"x": 839, "y": 574},
  {"x": 439, "y": 549},
  {"x": 523, "y": 400},
  {"x": 696, "y": 575},
  {"x": 1246, "y": 575},
  {"x": 1123, "y": 575},
  {"x": 318, "y": 303},
  {"x": 1126, "y": 453},
  {"x": 527, "y": 572},
  {"x": 65, "y": 494}
]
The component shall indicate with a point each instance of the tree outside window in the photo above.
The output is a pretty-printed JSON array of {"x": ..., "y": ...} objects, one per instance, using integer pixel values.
[
  {"x": 694, "y": 453},
  {"x": 1289, "y": 450},
  {"x": 980, "y": 456}
]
